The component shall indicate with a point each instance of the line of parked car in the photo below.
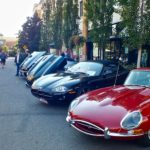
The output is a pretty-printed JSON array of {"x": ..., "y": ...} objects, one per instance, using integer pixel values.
[{"x": 105, "y": 99}]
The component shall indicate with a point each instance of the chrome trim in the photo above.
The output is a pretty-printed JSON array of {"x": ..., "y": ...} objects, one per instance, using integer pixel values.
[
  {"x": 23, "y": 71},
  {"x": 107, "y": 134},
  {"x": 112, "y": 134},
  {"x": 72, "y": 122},
  {"x": 27, "y": 85},
  {"x": 141, "y": 119},
  {"x": 148, "y": 134},
  {"x": 98, "y": 135}
]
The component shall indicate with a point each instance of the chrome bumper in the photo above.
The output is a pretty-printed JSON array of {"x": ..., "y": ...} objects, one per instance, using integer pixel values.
[{"x": 107, "y": 134}]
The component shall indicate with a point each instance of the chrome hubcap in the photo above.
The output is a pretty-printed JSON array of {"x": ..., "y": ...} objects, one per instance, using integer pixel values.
[{"x": 149, "y": 134}]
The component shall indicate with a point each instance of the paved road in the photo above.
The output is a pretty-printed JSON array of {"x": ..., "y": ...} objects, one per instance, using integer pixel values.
[{"x": 26, "y": 124}]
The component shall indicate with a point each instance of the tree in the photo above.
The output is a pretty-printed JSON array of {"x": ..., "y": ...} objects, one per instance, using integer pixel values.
[
  {"x": 30, "y": 34},
  {"x": 46, "y": 28},
  {"x": 57, "y": 25},
  {"x": 70, "y": 14},
  {"x": 99, "y": 14},
  {"x": 136, "y": 18},
  {"x": 5, "y": 48}
]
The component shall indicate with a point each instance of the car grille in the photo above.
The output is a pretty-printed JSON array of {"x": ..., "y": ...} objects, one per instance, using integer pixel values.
[
  {"x": 39, "y": 93},
  {"x": 88, "y": 128}
]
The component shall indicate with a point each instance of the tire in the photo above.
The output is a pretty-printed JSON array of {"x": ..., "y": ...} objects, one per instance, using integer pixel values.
[{"x": 145, "y": 141}]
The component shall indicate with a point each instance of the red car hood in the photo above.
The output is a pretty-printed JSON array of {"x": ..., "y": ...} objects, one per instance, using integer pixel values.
[{"x": 106, "y": 108}]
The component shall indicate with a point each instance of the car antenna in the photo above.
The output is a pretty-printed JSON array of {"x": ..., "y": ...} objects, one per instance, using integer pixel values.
[{"x": 116, "y": 77}]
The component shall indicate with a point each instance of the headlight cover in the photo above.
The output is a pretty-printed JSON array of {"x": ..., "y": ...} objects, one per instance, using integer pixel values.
[
  {"x": 60, "y": 89},
  {"x": 132, "y": 120},
  {"x": 30, "y": 77}
]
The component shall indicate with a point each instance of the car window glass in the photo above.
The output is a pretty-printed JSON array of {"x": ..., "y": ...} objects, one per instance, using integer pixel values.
[
  {"x": 108, "y": 70},
  {"x": 90, "y": 68},
  {"x": 138, "y": 78}
]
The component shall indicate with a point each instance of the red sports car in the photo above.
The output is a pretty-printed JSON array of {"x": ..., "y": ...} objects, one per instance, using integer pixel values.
[{"x": 120, "y": 112}]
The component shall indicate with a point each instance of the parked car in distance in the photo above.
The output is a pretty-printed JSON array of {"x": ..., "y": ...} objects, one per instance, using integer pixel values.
[
  {"x": 117, "y": 112},
  {"x": 78, "y": 79},
  {"x": 35, "y": 64},
  {"x": 30, "y": 60},
  {"x": 49, "y": 64},
  {"x": 38, "y": 70}
]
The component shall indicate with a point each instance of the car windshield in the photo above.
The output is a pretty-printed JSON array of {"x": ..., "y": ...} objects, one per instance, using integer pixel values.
[
  {"x": 90, "y": 68},
  {"x": 139, "y": 78}
]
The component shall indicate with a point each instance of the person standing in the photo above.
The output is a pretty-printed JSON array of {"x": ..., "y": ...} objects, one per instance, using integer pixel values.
[
  {"x": 3, "y": 57},
  {"x": 144, "y": 59},
  {"x": 18, "y": 60}
]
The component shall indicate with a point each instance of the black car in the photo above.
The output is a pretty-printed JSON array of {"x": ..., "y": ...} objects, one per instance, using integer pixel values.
[
  {"x": 80, "y": 78},
  {"x": 30, "y": 61},
  {"x": 49, "y": 64}
]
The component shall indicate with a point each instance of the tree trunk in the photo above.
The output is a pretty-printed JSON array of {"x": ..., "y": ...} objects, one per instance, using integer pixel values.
[{"x": 139, "y": 56}]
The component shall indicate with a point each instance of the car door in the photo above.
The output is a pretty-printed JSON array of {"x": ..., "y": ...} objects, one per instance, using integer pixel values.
[
  {"x": 109, "y": 75},
  {"x": 96, "y": 81}
]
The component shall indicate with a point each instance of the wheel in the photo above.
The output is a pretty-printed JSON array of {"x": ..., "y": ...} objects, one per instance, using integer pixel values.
[{"x": 145, "y": 141}]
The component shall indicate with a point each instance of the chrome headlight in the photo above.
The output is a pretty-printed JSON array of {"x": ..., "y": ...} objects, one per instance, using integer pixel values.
[
  {"x": 30, "y": 77},
  {"x": 131, "y": 120},
  {"x": 60, "y": 89}
]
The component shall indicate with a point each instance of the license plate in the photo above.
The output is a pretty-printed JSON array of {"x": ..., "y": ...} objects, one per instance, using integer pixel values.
[{"x": 43, "y": 101}]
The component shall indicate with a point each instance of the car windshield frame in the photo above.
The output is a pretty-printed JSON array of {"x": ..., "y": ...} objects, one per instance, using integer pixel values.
[
  {"x": 89, "y": 68},
  {"x": 138, "y": 78}
]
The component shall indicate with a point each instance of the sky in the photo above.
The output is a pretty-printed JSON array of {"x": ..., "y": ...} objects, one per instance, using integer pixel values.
[{"x": 13, "y": 14}]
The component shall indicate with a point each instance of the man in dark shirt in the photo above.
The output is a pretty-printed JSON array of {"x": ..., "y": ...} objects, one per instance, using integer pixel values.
[{"x": 20, "y": 56}]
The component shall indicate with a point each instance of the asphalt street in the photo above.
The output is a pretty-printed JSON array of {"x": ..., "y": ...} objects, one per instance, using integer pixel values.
[{"x": 26, "y": 124}]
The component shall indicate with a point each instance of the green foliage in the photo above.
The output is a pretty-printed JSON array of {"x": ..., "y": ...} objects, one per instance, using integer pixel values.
[
  {"x": 136, "y": 19},
  {"x": 57, "y": 25},
  {"x": 76, "y": 41},
  {"x": 51, "y": 31},
  {"x": 147, "y": 23},
  {"x": 30, "y": 34},
  {"x": 99, "y": 14},
  {"x": 70, "y": 14},
  {"x": 5, "y": 48},
  {"x": 46, "y": 29}
]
